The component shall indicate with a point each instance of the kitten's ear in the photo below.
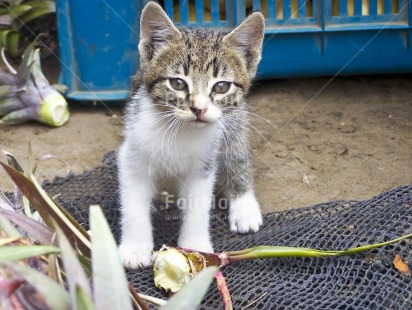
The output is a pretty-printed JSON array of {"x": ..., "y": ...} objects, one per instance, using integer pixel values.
[
  {"x": 156, "y": 30},
  {"x": 247, "y": 39}
]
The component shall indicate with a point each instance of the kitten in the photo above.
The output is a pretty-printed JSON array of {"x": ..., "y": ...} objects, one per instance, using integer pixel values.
[{"x": 187, "y": 119}]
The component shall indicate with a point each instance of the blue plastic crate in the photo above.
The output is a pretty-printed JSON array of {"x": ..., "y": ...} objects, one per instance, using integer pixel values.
[
  {"x": 98, "y": 47},
  {"x": 303, "y": 38}
]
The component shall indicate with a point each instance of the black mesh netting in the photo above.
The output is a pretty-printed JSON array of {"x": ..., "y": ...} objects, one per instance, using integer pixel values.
[{"x": 363, "y": 281}]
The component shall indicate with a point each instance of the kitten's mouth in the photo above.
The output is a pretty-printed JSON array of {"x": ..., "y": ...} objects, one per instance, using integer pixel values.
[{"x": 199, "y": 122}]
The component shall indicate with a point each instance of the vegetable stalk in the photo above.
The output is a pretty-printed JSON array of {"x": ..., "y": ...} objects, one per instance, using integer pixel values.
[
  {"x": 27, "y": 95},
  {"x": 176, "y": 266}
]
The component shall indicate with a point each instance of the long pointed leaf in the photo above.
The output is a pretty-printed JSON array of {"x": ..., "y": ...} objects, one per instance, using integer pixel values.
[
  {"x": 19, "y": 10},
  {"x": 8, "y": 228},
  {"x": 37, "y": 3},
  {"x": 108, "y": 271},
  {"x": 36, "y": 230},
  {"x": 23, "y": 71},
  {"x": 10, "y": 104},
  {"x": 190, "y": 296},
  {"x": 54, "y": 271},
  {"x": 74, "y": 272},
  {"x": 3, "y": 37},
  {"x": 83, "y": 300},
  {"x": 16, "y": 253},
  {"x": 12, "y": 161},
  {"x": 13, "y": 43},
  {"x": 37, "y": 12},
  {"x": 8, "y": 91},
  {"x": 7, "y": 78},
  {"x": 6, "y": 62},
  {"x": 65, "y": 221},
  {"x": 54, "y": 295},
  {"x": 46, "y": 157},
  {"x": 18, "y": 195},
  {"x": 37, "y": 73},
  {"x": 5, "y": 202},
  {"x": 49, "y": 210}
]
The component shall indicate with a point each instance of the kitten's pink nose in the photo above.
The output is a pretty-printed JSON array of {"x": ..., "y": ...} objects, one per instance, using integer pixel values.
[{"x": 198, "y": 112}]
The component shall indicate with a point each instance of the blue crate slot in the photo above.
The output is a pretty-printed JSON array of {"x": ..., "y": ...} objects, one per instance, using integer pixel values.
[{"x": 98, "y": 39}]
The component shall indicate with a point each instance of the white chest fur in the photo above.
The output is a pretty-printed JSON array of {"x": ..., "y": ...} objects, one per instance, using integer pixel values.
[{"x": 165, "y": 145}]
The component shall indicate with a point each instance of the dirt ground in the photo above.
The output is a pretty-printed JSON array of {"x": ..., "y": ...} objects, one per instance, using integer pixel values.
[{"x": 314, "y": 140}]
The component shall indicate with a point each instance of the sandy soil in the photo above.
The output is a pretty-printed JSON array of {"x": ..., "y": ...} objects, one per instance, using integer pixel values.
[{"x": 316, "y": 140}]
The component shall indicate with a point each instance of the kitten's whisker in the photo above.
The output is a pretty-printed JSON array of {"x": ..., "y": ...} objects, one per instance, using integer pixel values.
[
  {"x": 253, "y": 114},
  {"x": 165, "y": 133},
  {"x": 236, "y": 136},
  {"x": 156, "y": 113},
  {"x": 176, "y": 130},
  {"x": 230, "y": 137},
  {"x": 250, "y": 125},
  {"x": 159, "y": 131},
  {"x": 154, "y": 122},
  {"x": 225, "y": 137}
]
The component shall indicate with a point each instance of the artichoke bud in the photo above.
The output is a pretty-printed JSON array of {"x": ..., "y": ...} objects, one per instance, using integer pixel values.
[{"x": 173, "y": 268}]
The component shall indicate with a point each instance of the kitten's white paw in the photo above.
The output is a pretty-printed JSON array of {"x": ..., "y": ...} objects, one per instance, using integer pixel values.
[
  {"x": 198, "y": 244},
  {"x": 134, "y": 255},
  {"x": 244, "y": 214}
]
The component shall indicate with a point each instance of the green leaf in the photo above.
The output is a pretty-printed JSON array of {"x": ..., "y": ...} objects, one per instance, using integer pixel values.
[
  {"x": 83, "y": 300},
  {"x": 109, "y": 279},
  {"x": 12, "y": 43},
  {"x": 191, "y": 295},
  {"x": 20, "y": 116},
  {"x": 23, "y": 71},
  {"x": 153, "y": 300},
  {"x": 3, "y": 37},
  {"x": 37, "y": 73},
  {"x": 16, "y": 2},
  {"x": 46, "y": 8},
  {"x": 8, "y": 105},
  {"x": 54, "y": 295},
  {"x": 18, "y": 10},
  {"x": 16, "y": 253},
  {"x": 8, "y": 90},
  {"x": 75, "y": 275},
  {"x": 8, "y": 227},
  {"x": 50, "y": 210},
  {"x": 54, "y": 272},
  {"x": 87, "y": 265},
  {"x": 4, "y": 11},
  {"x": 37, "y": 3}
]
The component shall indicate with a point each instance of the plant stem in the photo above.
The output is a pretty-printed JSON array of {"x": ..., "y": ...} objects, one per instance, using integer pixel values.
[
  {"x": 153, "y": 300},
  {"x": 261, "y": 252},
  {"x": 224, "y": 290}
]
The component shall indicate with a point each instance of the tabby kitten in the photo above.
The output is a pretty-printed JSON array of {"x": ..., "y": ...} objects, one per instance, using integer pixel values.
[{"x": 187, "y": 120}]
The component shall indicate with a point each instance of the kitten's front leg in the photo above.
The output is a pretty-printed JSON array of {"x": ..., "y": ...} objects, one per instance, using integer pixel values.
[
  {"x": 136, "y": 193},
  {"x": 195, "y": 201},
  {"x": 244, "y": 213}
]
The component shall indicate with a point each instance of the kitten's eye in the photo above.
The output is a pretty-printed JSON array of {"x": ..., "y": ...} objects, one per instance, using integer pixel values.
[
  {"x": 221, "y": 87},
  {"x": 178, "y": 84}
]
